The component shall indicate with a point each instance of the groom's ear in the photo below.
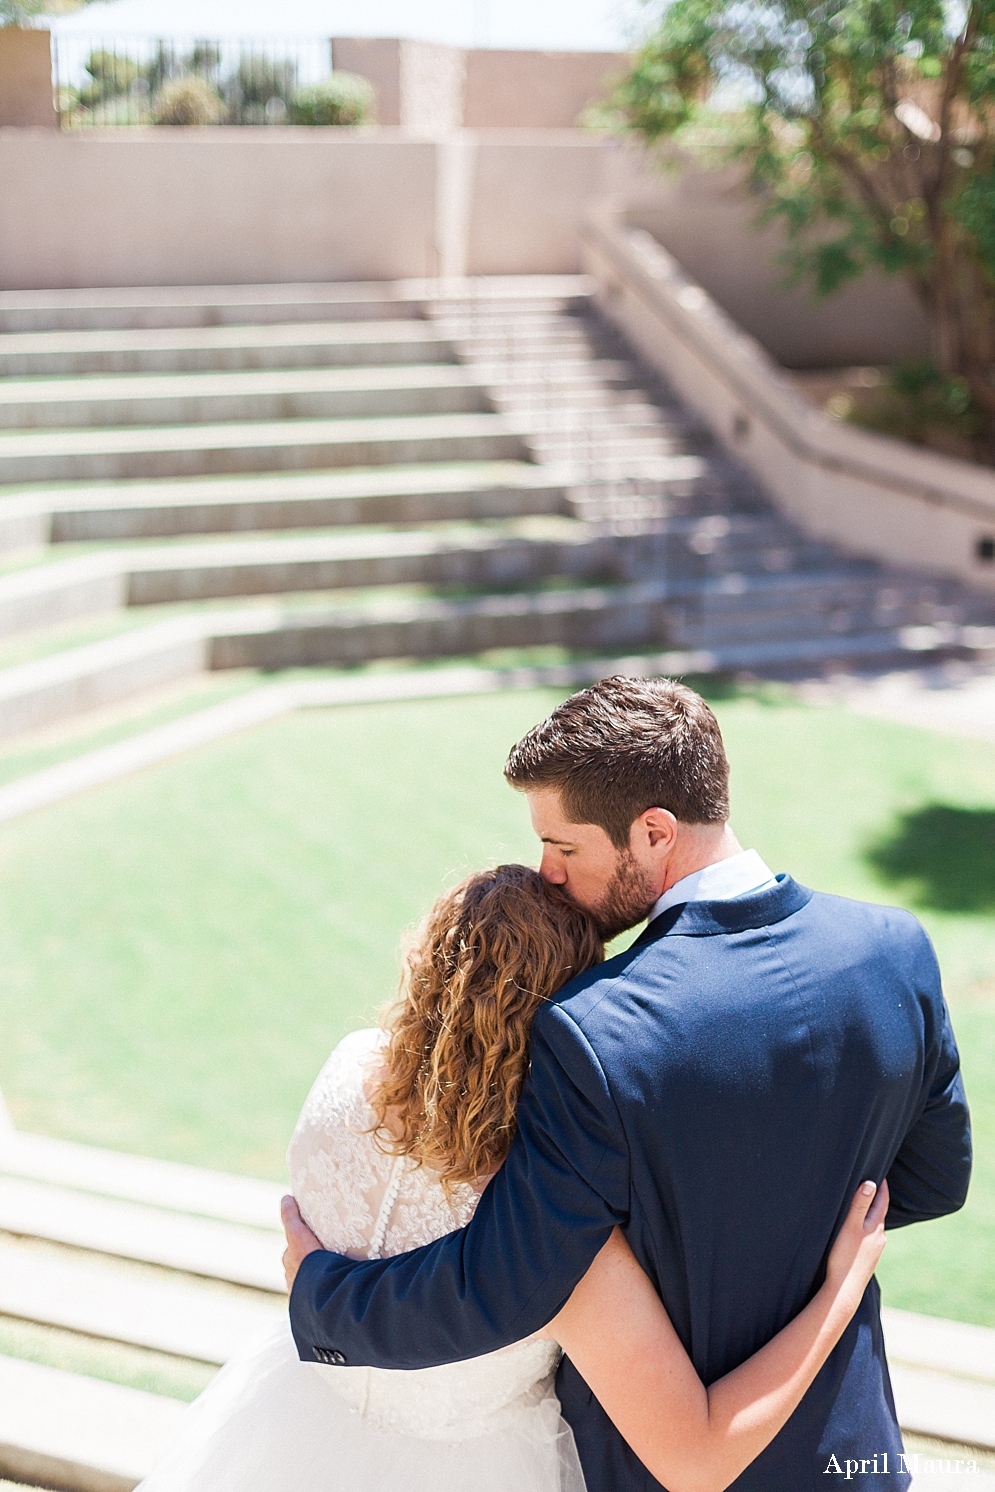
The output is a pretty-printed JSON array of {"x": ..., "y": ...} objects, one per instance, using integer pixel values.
[{"x": 656, "y": 830}]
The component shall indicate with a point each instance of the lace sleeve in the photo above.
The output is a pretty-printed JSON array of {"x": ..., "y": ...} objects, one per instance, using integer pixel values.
[
  {"x": 338, "y": 1174},
  {"x": 359, "y": 1201}
]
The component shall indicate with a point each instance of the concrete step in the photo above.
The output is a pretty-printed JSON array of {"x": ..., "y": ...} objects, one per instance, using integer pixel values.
[
  {"x": 209, "y": 450},
  {"x": 399, "y": 496},
  {"x": 77, "y": 1292},
  {"x": 137, "y": 1178},
  {"x": 62, "y": 1430},
  {"x": 820, "y": 602},
  {"x": 255, "y": 305},
  {"x": 316, "y": 344},
  {"x": 217, "y": 398},
  {"x": 82, "y": 679},
  {"x": 587, "y": 457},
  {"x": 941, "y": 1469},
  {"x": 943, "y": 1374},
  {"x": 519, "y": 553},
  {"x": 152, "y": 1235},
  {"x": 385, "y": 495},
  {"x": 547, "y": 370},
  {"x": 150, "y": 307},
  {"x": 517, "y": 344},
  {"x": 49, "y": 595},
  {"x": 561, "y": 440},
  {"x": 950, "y": 1408},
  {"x": 602, "y": 619},
  {"x": 559, "y": 406},
  {"x": 940, "y": 1345},
  {"x": 773, "y": 618},
  {"x": 598, "y": 421}
]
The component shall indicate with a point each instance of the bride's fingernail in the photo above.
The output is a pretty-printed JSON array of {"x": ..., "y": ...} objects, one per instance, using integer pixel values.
[{"x": 868, "y": 1188}]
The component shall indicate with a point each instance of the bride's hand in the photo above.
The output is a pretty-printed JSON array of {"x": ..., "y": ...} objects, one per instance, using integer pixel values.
[
  {"x": 859, "y": 1244},
  {"x": 300, "y": 1240}
]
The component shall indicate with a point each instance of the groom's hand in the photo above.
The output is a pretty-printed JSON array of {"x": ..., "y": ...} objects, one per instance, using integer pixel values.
[{"x": 300, "y": 1240}]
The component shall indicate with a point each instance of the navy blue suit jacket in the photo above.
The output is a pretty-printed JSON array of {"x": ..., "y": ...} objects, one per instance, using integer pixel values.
[{"x": 720, "y": 1090}]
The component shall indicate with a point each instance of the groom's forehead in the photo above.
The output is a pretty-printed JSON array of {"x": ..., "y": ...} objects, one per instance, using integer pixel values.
[
  {"x": 550, "y": 822},
  {"x": 546, "y": 812}
]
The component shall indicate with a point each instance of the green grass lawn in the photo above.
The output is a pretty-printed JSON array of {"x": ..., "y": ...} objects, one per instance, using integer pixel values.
[{"x": 179, "y": 950}]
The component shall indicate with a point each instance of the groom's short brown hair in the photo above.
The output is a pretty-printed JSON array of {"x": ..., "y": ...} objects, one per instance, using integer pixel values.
[{"x": 623, "y": 746}]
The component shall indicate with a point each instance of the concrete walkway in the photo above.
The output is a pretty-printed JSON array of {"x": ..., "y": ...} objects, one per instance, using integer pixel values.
[{"x": 956, "y": 698}]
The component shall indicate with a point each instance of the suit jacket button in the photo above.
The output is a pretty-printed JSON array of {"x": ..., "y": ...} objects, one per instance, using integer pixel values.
[{"x": 336, "y": 1357}]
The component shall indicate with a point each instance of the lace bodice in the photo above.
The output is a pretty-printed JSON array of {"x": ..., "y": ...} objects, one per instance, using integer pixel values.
[{"x": 368, "y": 1205}]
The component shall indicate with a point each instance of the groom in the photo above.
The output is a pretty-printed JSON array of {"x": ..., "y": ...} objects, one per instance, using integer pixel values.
[{"x": 719, "y": 1090}]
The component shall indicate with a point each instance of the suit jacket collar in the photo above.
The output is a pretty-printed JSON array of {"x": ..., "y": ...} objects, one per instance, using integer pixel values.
[{"x": 702, "y": 919}]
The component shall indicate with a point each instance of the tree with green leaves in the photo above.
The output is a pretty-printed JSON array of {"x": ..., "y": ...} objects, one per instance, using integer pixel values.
[{"x": 866, "y": 126}]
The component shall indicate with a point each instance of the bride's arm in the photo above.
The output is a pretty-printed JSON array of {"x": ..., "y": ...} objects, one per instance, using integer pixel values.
[{"x": 618, "y": 1335}]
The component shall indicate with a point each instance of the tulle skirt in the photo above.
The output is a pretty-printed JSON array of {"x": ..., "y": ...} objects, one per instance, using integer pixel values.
[{"x": 270, "y": 1423}]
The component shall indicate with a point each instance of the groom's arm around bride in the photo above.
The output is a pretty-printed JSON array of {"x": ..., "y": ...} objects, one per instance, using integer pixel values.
[{"x": 718, "y": 1091}]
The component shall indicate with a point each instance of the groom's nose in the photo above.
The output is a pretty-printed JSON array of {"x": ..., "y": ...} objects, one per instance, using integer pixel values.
[{"x": 552, "y": 868}]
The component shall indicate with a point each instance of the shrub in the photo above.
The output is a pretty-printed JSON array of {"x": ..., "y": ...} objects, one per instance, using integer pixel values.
[
  {"x": 260, "y": 89},
  {"x": 111, "y": 75},
  {"x": 344, "y": 98},
  {"x": 918, "y": 403},
  {"x": 189, "y": 100}
]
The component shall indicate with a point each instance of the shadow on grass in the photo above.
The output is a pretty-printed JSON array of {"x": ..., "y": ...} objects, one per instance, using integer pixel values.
[{"x": 946, "y": 854}]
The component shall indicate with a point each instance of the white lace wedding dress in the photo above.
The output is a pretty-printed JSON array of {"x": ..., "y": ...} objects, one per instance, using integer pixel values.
[{"x": 270, "y": 1423}]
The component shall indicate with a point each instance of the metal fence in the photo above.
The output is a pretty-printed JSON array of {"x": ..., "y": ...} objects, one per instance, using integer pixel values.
[{"x": 152, "y": 80}]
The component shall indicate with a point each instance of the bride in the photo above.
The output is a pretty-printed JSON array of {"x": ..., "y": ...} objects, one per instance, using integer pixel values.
[{"x": 400, "y": 1134}]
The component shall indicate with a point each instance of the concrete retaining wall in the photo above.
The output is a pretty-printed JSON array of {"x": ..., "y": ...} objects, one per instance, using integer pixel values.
[
  {"x": 26, "y": 78},
  {"x": 529, "y": 199},
  {"x": 699, "y": 216},
  {"x": 423, "y": 86},
  {"x": 535, "y": 90},
  {"x": 225, "y": 206},
  {"x": 872, "y": 495},
  {"x": 214, "y": 206}
]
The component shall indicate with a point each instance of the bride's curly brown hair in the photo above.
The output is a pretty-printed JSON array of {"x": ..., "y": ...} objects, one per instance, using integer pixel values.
[{"x": 489, "y": 953}]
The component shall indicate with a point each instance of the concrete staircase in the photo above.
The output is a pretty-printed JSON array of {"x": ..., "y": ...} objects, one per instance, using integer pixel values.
[
  {"x": 367, "y": 472},
  {"x": 179, "y": 1263}
]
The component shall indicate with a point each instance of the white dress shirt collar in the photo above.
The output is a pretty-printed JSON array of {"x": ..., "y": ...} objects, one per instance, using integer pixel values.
[{"x": 719, "y": 882}]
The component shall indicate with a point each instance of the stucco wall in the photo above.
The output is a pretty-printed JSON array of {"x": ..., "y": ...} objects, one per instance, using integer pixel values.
[
  {"x": 530, "y": 196},
  {"x": 237, "y": 206},
  {"x": 706, "y": 222},
  {"x": 535, "y": 90},
  {"x": 26, "y": 79},
  {"x": 378, "y": 59},
  {"x": 427, "y": 87},
  {"x": 207, "y": 206},
  {"x": 419, "y": 84}
]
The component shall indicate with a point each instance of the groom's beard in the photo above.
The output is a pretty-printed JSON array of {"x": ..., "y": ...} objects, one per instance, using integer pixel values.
[{"x": 628, "y": 898}]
